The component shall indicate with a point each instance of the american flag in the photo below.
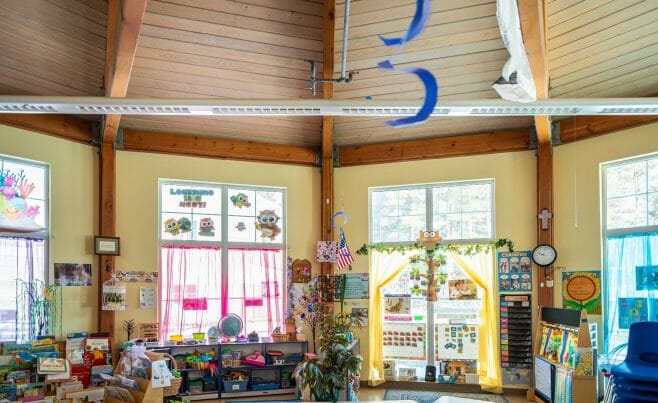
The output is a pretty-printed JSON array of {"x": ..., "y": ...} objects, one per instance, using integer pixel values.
[{"x": 344, "y": 256}]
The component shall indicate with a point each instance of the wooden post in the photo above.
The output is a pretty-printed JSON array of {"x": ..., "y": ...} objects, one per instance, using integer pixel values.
[{"x": 327, "y": 193}]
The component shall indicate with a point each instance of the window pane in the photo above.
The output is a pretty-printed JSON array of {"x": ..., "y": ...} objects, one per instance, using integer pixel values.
[
  {"x": 653, "y": 208},
  {"x": 206, "y": 227},
  {"x": 23, "y": 196},
  {"x": 31, "y": 174},
  {"x": 463, "y": 211},
  {"x": 652, "y": 169},
  {"x": 397, "y": 215},
  {"x": 255, "y": 288},
  {"x": 241, "y": 229},
  {"x": 261, "y": 215},
  {"x": 190, "y": 292},
  {"x": 627, "y": 212},
  {"x": 191, "y": 198},
  {"x": 626, "y": 179}
]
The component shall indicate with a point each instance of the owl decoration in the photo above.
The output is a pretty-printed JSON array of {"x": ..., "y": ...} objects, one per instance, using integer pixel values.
[
  {"x": 240, "y": 226},
  {"x": 206, "y": 227},
  {"x": 171, "y": 226},
  {"x": 180, "y": 226},
  {"x": 428, "y": 239},
  {"x": 266, "y": 224},
  {"x": 240, "y": 200}
]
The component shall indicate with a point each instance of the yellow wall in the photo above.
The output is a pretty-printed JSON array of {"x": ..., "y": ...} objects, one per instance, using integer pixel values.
[
  {"x": 577, "y": 195},
  {"x": 73, "y": 219},
  {"x": 515, "y": 197},
  {"x": 137, "y": 208}
]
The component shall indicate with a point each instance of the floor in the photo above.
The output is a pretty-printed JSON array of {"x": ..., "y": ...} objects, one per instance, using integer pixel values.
[{"x": 377, "y": 394}]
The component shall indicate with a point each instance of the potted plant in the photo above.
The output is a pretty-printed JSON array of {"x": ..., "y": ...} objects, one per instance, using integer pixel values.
[{"x": 337, "y": 367}]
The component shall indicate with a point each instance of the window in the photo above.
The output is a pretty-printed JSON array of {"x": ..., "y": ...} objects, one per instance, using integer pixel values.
[
  {"x": 221, "y": 251},
  {"x": 23, "y": 262},
  {"x": 417, "y": 332},
  {"x": 630, "y": 244},
  {"x": 460, "y": 211}
]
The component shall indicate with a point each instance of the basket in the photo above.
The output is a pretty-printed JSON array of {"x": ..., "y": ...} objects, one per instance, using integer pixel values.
[
  {"x": 279, "y": 337},
  {"x": 175, "y": 382}
]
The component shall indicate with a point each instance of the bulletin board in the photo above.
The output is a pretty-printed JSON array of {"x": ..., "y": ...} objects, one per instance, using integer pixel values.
[
  {"x": 456, "y": 342},
  {"x": 405, "y": 340}
]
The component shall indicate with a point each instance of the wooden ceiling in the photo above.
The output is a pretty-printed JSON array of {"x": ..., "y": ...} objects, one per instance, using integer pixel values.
[{"x": 260, "y": 48}]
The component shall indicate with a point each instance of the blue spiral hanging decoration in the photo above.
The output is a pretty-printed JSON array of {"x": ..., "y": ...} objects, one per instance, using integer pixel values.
[{"x": 416, "y": 27}]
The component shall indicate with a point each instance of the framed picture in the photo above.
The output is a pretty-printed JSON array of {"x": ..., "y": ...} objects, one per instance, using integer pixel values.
[{"x": 106, "y": 245}]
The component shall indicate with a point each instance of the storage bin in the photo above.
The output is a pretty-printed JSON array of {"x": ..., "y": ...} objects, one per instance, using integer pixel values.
[
  {"x": 235, "y": 386},
  {"x": 195, "y": 387},
  {"x": 294, "y": 358},
  {"x": 264, "y": 386}
]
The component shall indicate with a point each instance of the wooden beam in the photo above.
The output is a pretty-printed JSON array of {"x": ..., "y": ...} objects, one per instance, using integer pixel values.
[
  {"x": 441, "y": 147},
  {"x": 585, "y": 127},
  {"x": 62, "y": 126},
  {"x": 214, "y": 147},
  {"x": 327, "y": 191},
  {"x": 532, "y": 14}
]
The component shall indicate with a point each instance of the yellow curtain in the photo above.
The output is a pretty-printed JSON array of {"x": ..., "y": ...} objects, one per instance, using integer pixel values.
[
  {"x": 384, "y": 267},
  {"x": 480, "y": 268}
]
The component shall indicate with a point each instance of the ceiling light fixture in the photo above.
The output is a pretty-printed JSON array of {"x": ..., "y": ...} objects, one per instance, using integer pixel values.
[{"x": 314, "y": 107}]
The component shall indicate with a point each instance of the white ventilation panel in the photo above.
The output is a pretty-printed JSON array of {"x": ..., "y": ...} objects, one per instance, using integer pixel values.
[{"x": 313, "y": 107}]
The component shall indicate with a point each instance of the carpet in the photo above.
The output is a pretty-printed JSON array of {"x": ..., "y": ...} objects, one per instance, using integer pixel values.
[{"x": 423, "y": 396}]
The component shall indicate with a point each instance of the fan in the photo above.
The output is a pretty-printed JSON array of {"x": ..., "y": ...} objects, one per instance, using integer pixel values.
[{"x": 230, "y": 325}]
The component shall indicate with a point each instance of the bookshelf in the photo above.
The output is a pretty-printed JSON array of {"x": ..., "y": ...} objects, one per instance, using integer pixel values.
[{"x": 564, "y": 359}]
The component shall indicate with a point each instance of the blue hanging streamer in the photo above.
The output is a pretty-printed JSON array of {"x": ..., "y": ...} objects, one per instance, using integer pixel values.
[
  {"x": 431, "y": 94},
  {"x": 415, "y": 28}
]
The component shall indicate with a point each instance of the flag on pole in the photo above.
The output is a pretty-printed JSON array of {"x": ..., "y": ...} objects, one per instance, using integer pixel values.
[{"x": 344, "y": 256}]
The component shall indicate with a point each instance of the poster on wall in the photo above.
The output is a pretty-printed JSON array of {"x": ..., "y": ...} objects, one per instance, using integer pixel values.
[
  {"x": 356, "y": 286},
  {"x": 397, "y": 304},
  {"x": 514, "y": 271},
  {"x": 646, "y": 278},
  {"x": 456, "y": 341},
  {"x": 72, "y": 274},
  {"x": 404, "y": 340},
  {"x": 582, "y": 290},
  {"x": 632, "y": 310}
]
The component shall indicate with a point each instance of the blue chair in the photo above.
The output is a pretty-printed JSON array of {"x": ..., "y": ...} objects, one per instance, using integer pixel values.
[{"x": 636, "y": 378}]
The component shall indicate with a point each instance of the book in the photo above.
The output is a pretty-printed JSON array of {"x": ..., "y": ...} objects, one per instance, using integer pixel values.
[{"x": 51, "y": 365}]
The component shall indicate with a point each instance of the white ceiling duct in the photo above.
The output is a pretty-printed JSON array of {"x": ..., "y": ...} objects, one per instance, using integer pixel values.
[
  {"x": 516, "y": 82},
  {"x": 315, "y": 107}
]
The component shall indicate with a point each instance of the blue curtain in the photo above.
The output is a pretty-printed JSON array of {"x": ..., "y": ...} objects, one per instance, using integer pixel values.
[{"x": 630, "y": 281}]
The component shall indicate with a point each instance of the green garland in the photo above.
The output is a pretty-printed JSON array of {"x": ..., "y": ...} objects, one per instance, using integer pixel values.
[{"x": 469, "y": 250}]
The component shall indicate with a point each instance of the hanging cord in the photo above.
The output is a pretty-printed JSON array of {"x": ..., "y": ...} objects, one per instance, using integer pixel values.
[{"x": 575, "y": 178}]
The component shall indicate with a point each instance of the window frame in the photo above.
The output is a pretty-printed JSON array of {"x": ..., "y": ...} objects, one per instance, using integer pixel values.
[
  {"x": 606, "y": 233},
  {"x": 43, "y": 235},
  {"x": 429, "y": 209},
  {"x": 224, "y": 244}
]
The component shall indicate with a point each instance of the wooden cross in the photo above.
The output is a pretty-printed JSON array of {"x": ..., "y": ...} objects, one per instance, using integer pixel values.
[{"x": 544, "y": 216}]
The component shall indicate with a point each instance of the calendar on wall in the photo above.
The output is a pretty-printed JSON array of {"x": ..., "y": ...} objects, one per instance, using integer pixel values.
[
  {"x": 405, "y": 340},
  {"x": 456, "y": 341}
]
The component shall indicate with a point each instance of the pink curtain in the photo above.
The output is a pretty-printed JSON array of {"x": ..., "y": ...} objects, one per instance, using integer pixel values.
[
  {"x": 255, "y": 288},
  {"x": 190, "y": 282},
  {"x": 22, "y": 262}
]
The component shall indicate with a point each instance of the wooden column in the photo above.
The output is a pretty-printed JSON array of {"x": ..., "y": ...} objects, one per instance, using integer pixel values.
[
  {"x": 327, "y": 193},
  {"x": 532, "y": 14},
  {"x": 124, "y": 21}
]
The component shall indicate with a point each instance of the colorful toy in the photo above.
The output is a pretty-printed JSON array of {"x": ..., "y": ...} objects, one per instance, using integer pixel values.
[
  {"x": 240, "y": 200},
  {"x": 266, "y": 224},
  {"x": 206, "y": 227}
]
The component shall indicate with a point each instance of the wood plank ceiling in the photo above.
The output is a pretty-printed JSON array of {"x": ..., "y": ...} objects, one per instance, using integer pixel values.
[{"x": 260, "y": 48}]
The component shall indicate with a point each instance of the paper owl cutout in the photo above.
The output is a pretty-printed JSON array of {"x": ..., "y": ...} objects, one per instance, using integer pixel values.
[
  {"x": 327, "y": 251},
  {"x": 180, "y": 226},
  {"x": 428, "y": 239},
  {"x": 240, "y": 200},
  {"x": 240, "y": 226},
  {"x": 206, "y": 227},
  {"x": 266, "y": 224}
]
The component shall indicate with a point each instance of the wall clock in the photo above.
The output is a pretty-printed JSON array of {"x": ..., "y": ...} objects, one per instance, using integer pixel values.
[{"x": 544, "y": 255}]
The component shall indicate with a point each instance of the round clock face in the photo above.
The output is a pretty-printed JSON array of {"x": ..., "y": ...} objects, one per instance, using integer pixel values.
[{"x": 544, "y": 255}]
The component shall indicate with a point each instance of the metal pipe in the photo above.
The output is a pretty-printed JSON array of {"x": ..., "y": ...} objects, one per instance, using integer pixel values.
[{"x": 346, "y": 18}]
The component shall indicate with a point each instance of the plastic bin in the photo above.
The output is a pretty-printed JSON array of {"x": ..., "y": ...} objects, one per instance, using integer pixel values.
[
  {"x": 235, "y": 386},
  {"x": 294, "y": 358},
  {"x": 264, "y": 386}
]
